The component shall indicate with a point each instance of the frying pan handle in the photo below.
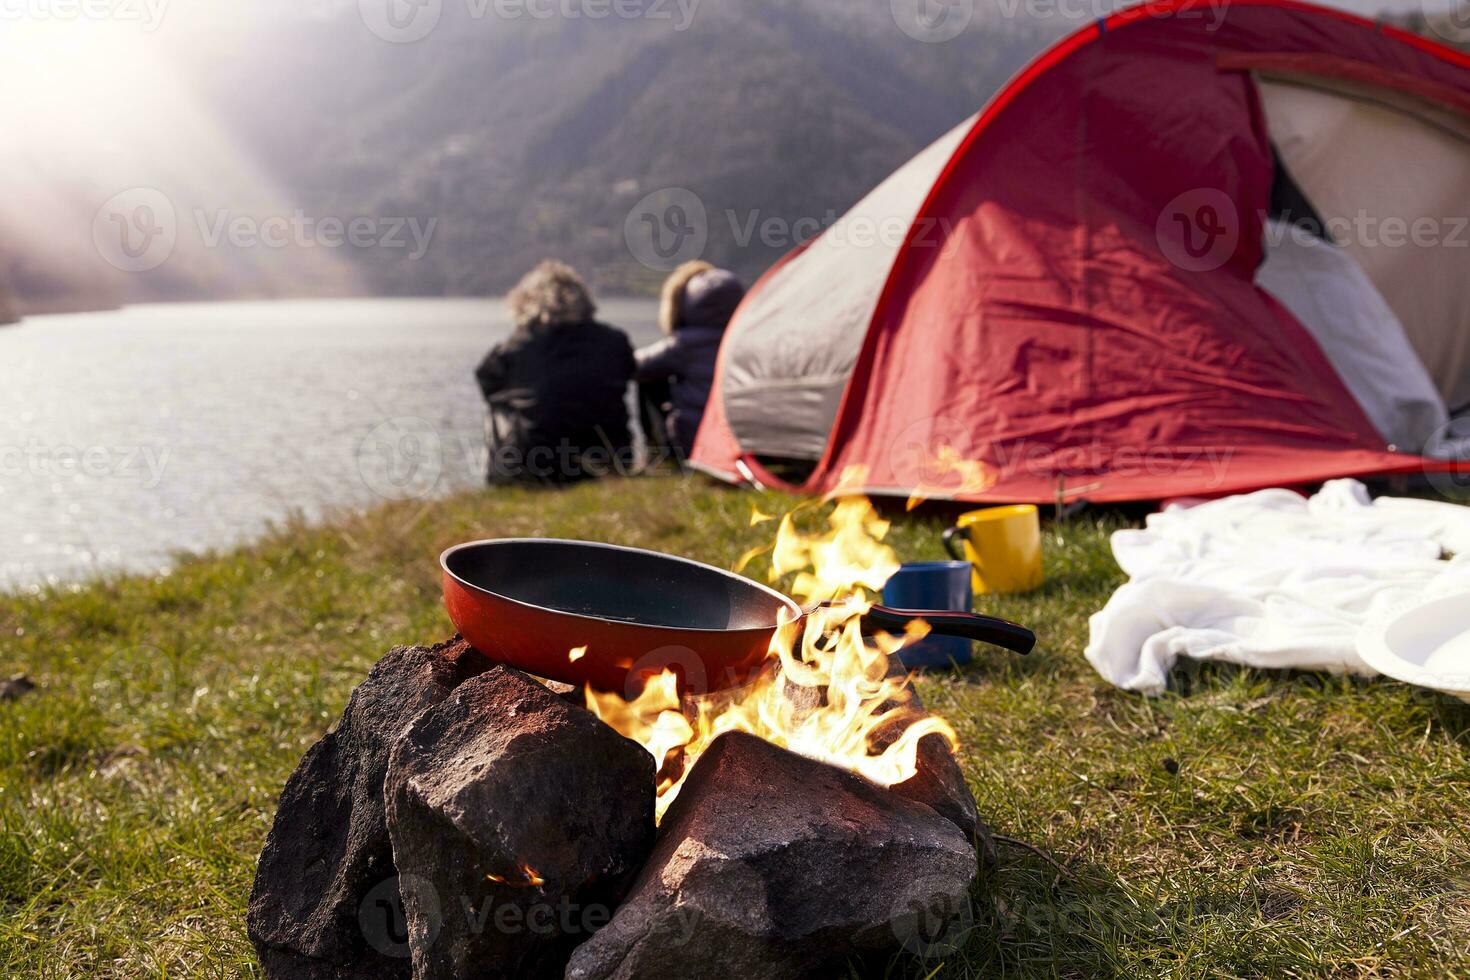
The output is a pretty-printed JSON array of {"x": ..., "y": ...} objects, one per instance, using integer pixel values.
[{"x": 971, "y": 626}]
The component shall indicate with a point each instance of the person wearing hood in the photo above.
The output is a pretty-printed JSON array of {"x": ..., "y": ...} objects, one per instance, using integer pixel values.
[
  {"x": 697, "y": 304},
  {"x": 556, "y": 388}
]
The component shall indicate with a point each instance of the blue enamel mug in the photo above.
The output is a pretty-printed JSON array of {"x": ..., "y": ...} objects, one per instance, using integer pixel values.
[{"x": 935, "y": 586}]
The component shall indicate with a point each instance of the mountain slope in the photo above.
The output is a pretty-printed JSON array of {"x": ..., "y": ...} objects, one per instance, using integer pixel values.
[
  {"x": 518, "y": 138},
  {"x": 535, "y": 138}
]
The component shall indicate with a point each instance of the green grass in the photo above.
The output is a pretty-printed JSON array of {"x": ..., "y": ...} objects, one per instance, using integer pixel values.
[{"x": 1251, "y": 824}]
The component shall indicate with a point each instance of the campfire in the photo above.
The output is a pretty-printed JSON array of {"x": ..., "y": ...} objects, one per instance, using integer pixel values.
[
  {"x": 466, "y": 819},
  {"x": 826, "y": 692}
]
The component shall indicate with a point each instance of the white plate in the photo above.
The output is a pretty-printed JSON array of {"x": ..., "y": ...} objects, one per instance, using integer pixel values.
[{"x": 1423, "y": 643}]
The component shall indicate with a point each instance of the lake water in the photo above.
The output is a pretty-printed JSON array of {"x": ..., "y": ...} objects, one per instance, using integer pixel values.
[{"x": 130, "y": 435}]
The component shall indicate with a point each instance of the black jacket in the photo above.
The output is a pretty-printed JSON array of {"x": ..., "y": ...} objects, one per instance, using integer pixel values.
[
  {"x": 687, "y": 360},
  {"x": 556, "y": 398}
]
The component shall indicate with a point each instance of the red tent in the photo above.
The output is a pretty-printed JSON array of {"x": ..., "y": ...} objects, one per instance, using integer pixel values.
[{"x": 1066, "y": 292}]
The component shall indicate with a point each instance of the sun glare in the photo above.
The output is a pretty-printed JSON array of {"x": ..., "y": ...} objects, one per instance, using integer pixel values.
[
  {"x": 80, "y": 67},
  {"x": 101, "y": 106}
]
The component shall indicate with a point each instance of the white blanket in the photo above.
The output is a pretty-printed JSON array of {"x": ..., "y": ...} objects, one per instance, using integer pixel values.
[{"x": 1272, "y": 579}]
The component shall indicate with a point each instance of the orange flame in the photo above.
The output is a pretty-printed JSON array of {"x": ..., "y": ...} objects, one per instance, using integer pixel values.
[
  {"x": 948, "y": 474},
  {"x": 575, "y": 654},
  {"x": 529, "y": 877},
  {"x": 826, "y": 692}
]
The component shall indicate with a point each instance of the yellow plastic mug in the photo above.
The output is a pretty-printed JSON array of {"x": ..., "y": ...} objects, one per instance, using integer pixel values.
[{"x": 1004, "y": 545}]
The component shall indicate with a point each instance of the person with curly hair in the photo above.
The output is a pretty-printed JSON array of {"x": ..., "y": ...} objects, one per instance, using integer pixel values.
[{"x": 555, "y": 388}]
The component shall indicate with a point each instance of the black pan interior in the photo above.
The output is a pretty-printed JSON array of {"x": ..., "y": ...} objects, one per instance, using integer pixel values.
[{"x": 611, "y": 583}]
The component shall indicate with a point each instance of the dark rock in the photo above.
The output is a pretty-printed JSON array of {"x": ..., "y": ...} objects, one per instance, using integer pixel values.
[
  {"x": 16, "y": 687},
  {"x": 939, "y": 782},
  {"x": 771, "y": 865},
  {"x": 529, "y": 817},
  {"x": 326, "y": 897}
]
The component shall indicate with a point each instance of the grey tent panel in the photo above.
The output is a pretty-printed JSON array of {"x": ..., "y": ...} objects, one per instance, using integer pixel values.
[{"x": 790, "y": 353}]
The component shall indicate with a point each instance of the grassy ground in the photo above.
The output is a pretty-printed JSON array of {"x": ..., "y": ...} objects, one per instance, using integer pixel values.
[{"x": 1250, "y": 824}]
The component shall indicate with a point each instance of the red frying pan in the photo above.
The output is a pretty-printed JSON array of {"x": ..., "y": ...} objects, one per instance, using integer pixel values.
[{"x": 535, "y": 603}]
